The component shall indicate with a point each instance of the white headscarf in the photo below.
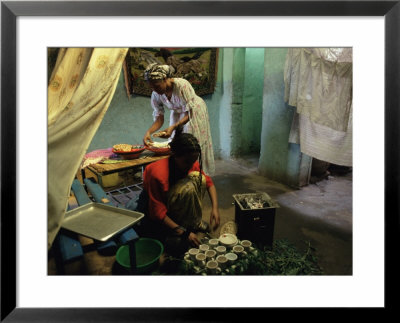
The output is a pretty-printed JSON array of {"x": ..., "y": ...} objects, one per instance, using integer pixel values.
[{"x": 156, "y": 71}]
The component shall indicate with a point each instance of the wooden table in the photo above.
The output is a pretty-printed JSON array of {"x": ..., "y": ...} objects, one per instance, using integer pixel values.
[{"x": 101, "y": 170}]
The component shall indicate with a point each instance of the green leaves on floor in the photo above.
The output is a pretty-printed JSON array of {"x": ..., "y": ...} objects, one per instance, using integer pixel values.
[{"x": 283, "y": 259}]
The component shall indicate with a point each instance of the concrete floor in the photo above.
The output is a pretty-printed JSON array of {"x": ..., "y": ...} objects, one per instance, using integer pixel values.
[{"x": 319, "y": 214}]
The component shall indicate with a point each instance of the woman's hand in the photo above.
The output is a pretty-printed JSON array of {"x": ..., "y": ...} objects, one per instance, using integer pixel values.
[
  {"x": 192, "y": 237},
  {"x": 193, "y": 240},
  {"x": 214, "y": 217},
  {"x": 147, "y": 139},
  {"x": 166, "y": 133}
]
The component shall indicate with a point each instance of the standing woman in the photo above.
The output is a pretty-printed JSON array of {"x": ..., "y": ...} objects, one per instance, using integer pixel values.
[{"x": 187, "y": 110}]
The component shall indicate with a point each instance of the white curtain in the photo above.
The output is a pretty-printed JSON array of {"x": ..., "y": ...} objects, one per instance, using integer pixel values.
[
  {"x": 319, "y": 82},
  {"x": 80, "y": 90}
]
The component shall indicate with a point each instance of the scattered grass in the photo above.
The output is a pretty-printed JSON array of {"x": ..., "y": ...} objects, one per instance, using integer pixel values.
[{"x": 283, "y": 259}]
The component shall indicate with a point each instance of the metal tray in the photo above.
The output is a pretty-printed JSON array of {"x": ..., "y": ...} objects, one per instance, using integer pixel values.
[{"x": 100, "y": 221}]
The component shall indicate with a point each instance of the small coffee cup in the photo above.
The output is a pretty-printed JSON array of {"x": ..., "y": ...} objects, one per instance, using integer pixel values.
[
  {"x": 238, "y": 249},
  {"x": 232, "y": 257},
  {"x": 193, "y": 252},
  {"x": 246, "y": 244},
  {"x": 201, "y": 260},
  {"x": 220, "y": 250},
  {"x": 204, "y": 247},
  {"x": 213, "y": 243},
  {"x": 211, "y": 254},
  {"x": 212, "y": 266},
  {"x": 222, "y": 261}
]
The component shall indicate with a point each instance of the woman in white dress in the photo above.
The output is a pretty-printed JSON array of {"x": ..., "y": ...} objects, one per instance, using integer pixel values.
[{"x": 187, "y": 110}]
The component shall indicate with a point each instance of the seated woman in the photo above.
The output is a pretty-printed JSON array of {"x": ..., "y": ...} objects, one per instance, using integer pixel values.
[{"x": 175, "y": 187}]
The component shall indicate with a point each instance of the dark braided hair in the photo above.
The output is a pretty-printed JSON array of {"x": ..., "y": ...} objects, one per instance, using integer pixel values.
[{"x": 181, "y": 144}]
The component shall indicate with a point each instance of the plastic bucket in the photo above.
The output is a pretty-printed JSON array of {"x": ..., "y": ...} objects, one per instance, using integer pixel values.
[{"x": 148, "y": 252}]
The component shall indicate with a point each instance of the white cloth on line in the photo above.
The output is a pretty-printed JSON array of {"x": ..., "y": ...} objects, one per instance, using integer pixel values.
[
  {"x": 321, "y": 142},
  {"x": 318, "y": 82}
]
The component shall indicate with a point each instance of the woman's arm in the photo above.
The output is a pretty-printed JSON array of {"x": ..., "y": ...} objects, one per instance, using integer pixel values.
[
  {"x": 157, "y": 124},
  {"x": 214, "y": 216},
  {"x": 171, "y": 128}
]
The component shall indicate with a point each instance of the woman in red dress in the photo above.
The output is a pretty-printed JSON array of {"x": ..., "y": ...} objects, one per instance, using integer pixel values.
[{"x": 175, "y": 187}]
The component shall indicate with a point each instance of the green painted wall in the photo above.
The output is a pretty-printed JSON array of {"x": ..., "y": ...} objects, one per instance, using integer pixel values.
[
  {"x": 238, "y": 86},
  {"x": 279, "y": 160},
  {"x": 225, "y": 110},
  {"x": 252, "y": 101},
  {"x": 243, "y": 79}
]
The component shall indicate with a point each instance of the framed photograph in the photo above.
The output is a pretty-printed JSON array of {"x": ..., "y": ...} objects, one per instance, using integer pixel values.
[
  {"x": 197, "y": 65},
  {"x": 228, "y": 13}
]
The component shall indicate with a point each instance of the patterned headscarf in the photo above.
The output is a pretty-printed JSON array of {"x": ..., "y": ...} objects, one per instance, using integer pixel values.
[{"x": 158, "y": 72}]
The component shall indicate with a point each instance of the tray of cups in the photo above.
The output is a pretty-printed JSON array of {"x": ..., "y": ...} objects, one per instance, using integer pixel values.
[{"x": 218, "y": 256}]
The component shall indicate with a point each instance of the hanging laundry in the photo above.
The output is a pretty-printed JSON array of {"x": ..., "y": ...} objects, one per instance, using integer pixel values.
[{"x": 318, "y": 82}]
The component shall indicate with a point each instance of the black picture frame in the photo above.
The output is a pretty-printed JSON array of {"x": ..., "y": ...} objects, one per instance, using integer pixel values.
[{"x": 10, "y": 10}]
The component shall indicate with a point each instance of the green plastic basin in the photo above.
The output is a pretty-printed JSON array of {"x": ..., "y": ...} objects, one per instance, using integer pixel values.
[{"x": 148, "y": 252}]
